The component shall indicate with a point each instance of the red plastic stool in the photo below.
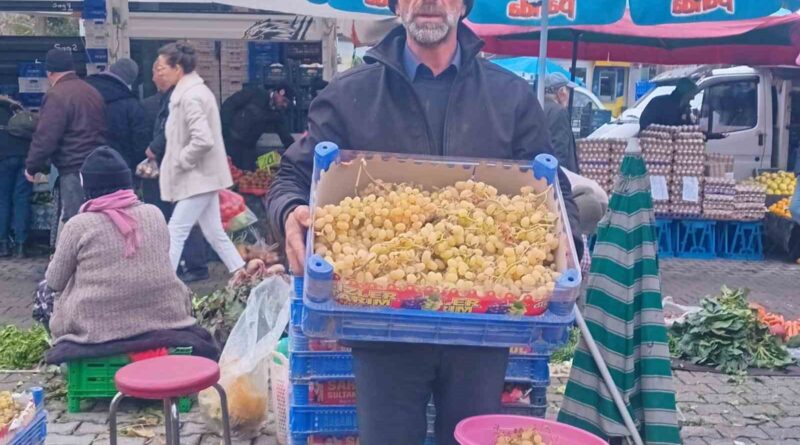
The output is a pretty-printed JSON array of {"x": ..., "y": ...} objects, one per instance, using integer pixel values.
[{"x": 168, "y": 379}]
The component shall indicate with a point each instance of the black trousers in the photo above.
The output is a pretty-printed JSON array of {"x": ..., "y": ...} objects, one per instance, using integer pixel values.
[{"x": 395, "y": 383}]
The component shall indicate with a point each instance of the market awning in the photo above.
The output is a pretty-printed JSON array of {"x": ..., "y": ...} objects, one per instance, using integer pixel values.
[{"x": 765, "y": 41}]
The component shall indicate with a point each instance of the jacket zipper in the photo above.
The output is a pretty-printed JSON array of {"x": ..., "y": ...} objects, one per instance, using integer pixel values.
[
  {"x": 428, "y": 131},
  {"x": 449, "y": 103}
]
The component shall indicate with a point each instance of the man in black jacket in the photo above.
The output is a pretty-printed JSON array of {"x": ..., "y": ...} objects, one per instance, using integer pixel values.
[
  {"x": 128, "y": 132},
  {"x": 562, "y": 138},
  {"x": 250, "y": 113},
  {"x": 424, "y": 91},
  {"x": 15, "y": 190}
]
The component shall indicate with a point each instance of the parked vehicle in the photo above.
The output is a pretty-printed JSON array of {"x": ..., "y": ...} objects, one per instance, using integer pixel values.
[{"x": 746, "y": 112}]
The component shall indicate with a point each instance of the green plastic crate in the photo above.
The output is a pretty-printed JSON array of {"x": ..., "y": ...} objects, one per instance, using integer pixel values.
[{"x": 93, "y": 378}]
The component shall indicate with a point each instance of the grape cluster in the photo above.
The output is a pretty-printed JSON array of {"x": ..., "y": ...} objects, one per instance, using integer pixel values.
[
  {"x": 466, "y": 236},
  {"x": 8, "y": 408}
]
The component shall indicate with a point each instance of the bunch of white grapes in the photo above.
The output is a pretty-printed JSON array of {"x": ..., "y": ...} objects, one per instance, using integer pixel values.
[
  {"x": 465, "y": 236},
  {"x": 8, "y": 409}
]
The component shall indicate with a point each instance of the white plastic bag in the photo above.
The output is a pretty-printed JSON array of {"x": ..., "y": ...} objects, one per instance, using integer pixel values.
[
  {"x": 245, "y": 360},
  {"x": 147, "y": 169}
]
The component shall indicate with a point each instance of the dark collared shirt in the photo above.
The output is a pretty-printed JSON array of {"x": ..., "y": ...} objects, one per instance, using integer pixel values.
[{"x": 433, "y": 91}]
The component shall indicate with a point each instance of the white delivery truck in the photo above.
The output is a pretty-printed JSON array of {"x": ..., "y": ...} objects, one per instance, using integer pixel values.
[{"x": 746, "y": 112}]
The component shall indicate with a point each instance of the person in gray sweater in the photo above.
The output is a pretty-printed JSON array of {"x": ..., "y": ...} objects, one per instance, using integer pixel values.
[{"x": 111, "y": 265}]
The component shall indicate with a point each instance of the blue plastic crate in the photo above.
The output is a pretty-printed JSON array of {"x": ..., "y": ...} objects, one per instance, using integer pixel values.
[
  {"x": 33, "y": 434},
  {"x": 302, "y": 439},
  {"x": 303, "y": 366},
  {"x": 665, "y": 234},
  {"x": 741, "y": 240},
  {"x": 696, "y": 239},
  {"x": 320, "y": 365},
  {"x": 532, "y": 369},
  {"x": 301, "y": 395},
  {"x": 328, "y": 319},
  {"x": 322, "y": 419},
  {"x": 296, "y": 313},
  {"x": 525, "y": 410}
]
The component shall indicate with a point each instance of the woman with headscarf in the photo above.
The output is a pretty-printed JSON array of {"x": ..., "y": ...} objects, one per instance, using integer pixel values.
[{"x": 111, "y": 265}]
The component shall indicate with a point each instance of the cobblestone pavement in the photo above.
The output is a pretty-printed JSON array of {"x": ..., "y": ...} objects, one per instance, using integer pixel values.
[{"x": 714, "y": 410}]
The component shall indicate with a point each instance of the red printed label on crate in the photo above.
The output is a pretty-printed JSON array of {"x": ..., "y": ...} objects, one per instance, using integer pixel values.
[
  {"x": 333, "y": 393},
  {"x": 318, "y": 345},
  {"x": 332, "y": 440},
  {"x": 353, "y": 293}
]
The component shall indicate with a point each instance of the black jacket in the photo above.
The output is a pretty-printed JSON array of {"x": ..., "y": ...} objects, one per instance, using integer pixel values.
[
  {"x": 128, "y": 132},
  {"x": 247, "y": 115},
  {"x": 561, "y": 136},
  {"x": 492, "y": 114},
  {"x": 158, "y": 135},
  {"x": 10, "y": 146}
]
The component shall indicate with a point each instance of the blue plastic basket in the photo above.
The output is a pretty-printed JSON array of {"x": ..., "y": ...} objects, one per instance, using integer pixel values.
[
  {"x": 696, "y": 239},
  {"x": 525, "y": 410},
  {"x": 33, "y": 434},
  {"x": 741, "y": 240},
  {"x": 323, "y": 419},
  {"x": 330, "y": 319},
  {"x": 665, "y": 234},
  {"x": 304, "y": 366},
  {"x": 301, "y": 397},
  {"x": 532, "y": 369}
]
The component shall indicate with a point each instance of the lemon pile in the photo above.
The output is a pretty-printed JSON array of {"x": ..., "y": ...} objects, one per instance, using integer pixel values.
[{"x": 777, "y": 183}]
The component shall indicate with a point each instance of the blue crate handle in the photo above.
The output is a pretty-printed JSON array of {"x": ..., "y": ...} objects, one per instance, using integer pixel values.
[
  {"x": 545, "y": 166},
  {"x": 324, "y": 155}
]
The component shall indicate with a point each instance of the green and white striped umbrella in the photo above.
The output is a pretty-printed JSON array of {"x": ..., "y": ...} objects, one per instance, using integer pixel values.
[{"x": 624, "y": 316}]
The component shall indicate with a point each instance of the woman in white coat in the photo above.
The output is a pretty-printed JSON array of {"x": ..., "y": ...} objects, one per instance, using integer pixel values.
[{"x": 194, "y": 169}]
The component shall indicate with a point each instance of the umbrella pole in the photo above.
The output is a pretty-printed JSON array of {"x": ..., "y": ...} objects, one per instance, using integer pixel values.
[
  {"x": 612, "y": 387},
  {"x": 542, "y": 52},
  {"x": 573, "y": 69}
]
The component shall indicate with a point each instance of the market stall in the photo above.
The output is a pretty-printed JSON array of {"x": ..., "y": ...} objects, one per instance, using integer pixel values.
[{"x": 702, "y": 211}]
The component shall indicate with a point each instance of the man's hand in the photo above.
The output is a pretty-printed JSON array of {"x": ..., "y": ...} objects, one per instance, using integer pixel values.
[
  {"x": 28, "y": 176},
  {"x": 296, "y": 225},
  {"x": 150, "y": 155}
]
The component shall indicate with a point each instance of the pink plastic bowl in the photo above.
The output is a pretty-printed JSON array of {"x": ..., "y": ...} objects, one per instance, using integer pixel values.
[{"x": 483, "y": 430}]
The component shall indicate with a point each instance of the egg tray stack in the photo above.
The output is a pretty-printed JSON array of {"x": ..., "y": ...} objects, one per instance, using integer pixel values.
[
  {"x": 750, "y": 203},
  {"x": 594, "y": 161},
  {"x": 719, "y": 196},
  {"x": 617, "y": 147},
  {"x": 658, "y": 154},
  {"x": 322, "y": 401},
  {"x": 689, "y": 164}
]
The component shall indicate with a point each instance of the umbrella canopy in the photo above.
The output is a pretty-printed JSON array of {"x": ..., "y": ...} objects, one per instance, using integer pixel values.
[
  {"x": 528, "y": 67},
  {"x": 624, "y": 316},
  {"x": 764, "y": 41},
  {"x": 656, "y": 12}
]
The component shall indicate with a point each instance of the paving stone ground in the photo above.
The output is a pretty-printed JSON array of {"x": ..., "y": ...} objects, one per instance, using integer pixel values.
[{"x": 714, "y": 409}]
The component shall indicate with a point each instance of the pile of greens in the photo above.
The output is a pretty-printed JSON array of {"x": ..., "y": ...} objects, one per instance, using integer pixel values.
[
  {"x": 726, "y": 334},
  {"x": 219, "y": 311},
  {"x": 22, "y": 349},
  {"x": 566, "y": 352}
]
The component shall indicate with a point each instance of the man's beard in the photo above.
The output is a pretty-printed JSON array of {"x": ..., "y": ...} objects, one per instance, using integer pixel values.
[{"x": 429, "y": 33}]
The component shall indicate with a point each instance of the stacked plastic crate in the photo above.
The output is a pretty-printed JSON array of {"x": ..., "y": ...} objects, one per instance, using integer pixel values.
[
  {"x": 316, "y": 369},
  {"x": 322, "y": 403},
  {"x": 233, "y": 67},
  {"x": 322, "y": 373}
]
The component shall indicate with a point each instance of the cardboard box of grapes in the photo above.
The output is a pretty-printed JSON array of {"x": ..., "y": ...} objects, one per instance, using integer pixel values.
[{"x": 470, "y": 236}]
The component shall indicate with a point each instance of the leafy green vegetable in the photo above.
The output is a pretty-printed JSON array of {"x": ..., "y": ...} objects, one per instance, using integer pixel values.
[
  {"x": 566, "y": 353},
  {"x": 22, "y": 349},
  {"x": 727, "y": 334}
]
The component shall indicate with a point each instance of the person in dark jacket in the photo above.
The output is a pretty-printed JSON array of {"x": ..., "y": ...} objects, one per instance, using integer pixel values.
[
  {"x": 128, "y": 132},
  {"x": 423, "y": 90},
  {"x": 556, "y": 100},
  {"x": 15, "y": 190},
  {"x": 247, "y": 115},
  {"x": 195, "y": 254},
  {"x": 672, "y": 109},
  {"x": 71, "y": 125}
]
